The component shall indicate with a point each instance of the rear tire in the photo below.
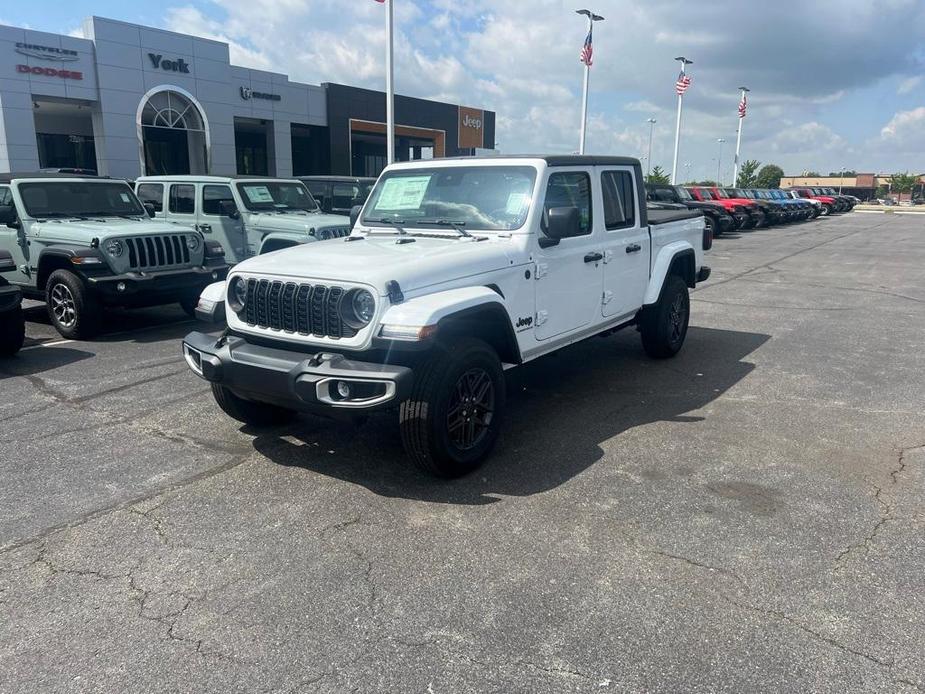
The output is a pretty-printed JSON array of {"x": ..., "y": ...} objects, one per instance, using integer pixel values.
[
  {"x": 249, "y": 412},
  {"x": 663, "y": 325},
  {"x": 451, "y": 422},
  {"x": 12, "y": 333},
  {"x": 72, "y": 308}
]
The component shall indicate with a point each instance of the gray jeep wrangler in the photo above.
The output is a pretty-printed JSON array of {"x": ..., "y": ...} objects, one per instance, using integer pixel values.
[
  {"x": 82, "y": 244},
  {"x": 12, "y": 323}
]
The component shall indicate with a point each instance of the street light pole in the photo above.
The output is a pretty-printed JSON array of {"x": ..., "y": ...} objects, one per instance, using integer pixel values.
[
  {"x": 651, "y": 123},
  {"x": 841, "y": 179},
  {"x": 719, "y": 162},
  {"x": 742, "y": 107},
  {"x": 389, "y": 84},
  {"x": 677, "y": 132},
  {"x": 584, "y": 98}
]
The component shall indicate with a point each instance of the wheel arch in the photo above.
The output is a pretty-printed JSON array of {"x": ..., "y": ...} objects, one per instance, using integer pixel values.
[
  {"x": 59, "y": 258},
  {"x": 676, "y": 259}
]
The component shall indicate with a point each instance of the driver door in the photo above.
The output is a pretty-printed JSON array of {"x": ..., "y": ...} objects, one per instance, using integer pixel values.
[{"x": 14, "y": 241}]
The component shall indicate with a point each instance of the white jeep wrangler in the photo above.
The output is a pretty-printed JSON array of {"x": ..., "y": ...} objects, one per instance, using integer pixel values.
[{"x": 455, "y": 270}]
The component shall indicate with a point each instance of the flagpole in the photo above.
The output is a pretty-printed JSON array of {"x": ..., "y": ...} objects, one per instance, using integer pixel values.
[
  {"x": 735, "y": 166},
  {"x": 587, "y": 78},
  {"x": 389, "y": 85},
  {"x": 677, "y": 132}
]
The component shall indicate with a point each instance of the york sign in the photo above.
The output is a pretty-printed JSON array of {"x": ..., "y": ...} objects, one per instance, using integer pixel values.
[{"x": 178, "y": 65}]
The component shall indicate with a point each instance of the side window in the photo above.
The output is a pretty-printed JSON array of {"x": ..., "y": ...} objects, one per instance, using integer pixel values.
[
  {"x": 6, "y": 196},
  {"x": 343, "y": 195},
  {"x": 182, "y": 199},
  {"x": 212, "y": 198},
  {"x": 153, "y": 193},
  {"x": 619, "y": 201},
  {"x": 571, "y": 189}
]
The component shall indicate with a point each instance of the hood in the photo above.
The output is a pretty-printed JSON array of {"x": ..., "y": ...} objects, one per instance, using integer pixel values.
[
  {"x": 83, "y": 232},
  {"x": 295, "y": 222},
  {"x": 377, "y": 259}
]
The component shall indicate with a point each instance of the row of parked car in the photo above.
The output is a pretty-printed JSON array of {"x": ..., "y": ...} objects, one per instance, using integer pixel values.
[
  {"x": 82, "y": 243},
  {"x": 732, "y": 209}
]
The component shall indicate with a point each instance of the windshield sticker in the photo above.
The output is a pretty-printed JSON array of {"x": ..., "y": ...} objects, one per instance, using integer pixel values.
[
  {"x": 125, "y": 197},
  {"x": 258, "y": 194},
  {"x": 403, "y": 193},
  {"x": 517, "y": 203}
]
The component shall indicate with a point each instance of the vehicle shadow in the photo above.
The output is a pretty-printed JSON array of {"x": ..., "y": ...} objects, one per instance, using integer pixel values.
[
  {"x": 31, "y": 362},
  {"x": 561, "y": 409},
  {"x": 153, "y": 324}
]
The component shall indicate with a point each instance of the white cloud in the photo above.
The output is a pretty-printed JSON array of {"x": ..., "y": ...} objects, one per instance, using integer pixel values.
[
  {"x": 906, "y": 128},
  {"x": 908, "y": 85}
]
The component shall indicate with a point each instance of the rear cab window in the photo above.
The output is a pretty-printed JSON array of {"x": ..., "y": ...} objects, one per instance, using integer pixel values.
[
  {"x": 182, "y": 198},
  {"x": 619, "y": 200}
]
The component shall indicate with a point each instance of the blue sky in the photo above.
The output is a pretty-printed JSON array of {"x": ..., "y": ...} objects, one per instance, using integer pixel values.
[{"x": 835, "y": 82}]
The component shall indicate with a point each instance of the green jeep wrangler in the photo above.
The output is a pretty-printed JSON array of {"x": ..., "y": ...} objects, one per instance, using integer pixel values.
[
  {"x": 12, "y": 324},
  {"x": 82, "y": 244}
]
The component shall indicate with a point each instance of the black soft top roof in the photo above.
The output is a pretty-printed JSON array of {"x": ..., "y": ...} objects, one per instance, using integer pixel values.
[
  {"x": 10, "y": 177},
  {"x": 565, "y": 159},
  {"x": 339, "y": 179}
]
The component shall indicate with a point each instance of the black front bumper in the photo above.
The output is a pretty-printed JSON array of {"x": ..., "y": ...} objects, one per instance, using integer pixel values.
[
  {"x": 10, "y": 298},
  {"x": 295, "y": 380},
  {"x": 153, "y": 287}
]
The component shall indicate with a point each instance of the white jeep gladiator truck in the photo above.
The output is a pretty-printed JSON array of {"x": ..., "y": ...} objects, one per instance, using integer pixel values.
[{"x": 455, "y": 270}]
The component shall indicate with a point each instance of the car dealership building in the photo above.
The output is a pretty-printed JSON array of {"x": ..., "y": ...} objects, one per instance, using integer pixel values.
[{"x": 129, "y": 100}]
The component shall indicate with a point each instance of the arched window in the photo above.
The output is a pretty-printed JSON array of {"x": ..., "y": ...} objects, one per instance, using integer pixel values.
[{"x": 173, "y": 133}]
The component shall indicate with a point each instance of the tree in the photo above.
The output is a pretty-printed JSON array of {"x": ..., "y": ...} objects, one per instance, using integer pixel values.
[
  {"x": 658, "y": 176},
  {"x": 882, "y": 191},
  {"x": 903, "y": 182},
  {"x": 843, "y": 174},
  {"x": 747, "y": 175},
  {"x": 704, "y": 184},
  {"x": 811, "y": 174},
  {"x": 769, "y": 176}
]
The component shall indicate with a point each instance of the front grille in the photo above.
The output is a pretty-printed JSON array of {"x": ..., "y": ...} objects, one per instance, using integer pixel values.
[
  {"x": 335, "y": 232},
  {"x": 149, "y": 252},
  {"x": 305, "y": 309}
]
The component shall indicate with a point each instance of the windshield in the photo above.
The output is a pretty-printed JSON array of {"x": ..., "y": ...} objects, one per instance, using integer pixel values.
[
  {"x": 276, "y": 196},
  {"x": 479, "y": 197},
  {"x": 719, "y": 194},
  {"x": 683, "y": 193},
  {"x": 80, "y": 199}
]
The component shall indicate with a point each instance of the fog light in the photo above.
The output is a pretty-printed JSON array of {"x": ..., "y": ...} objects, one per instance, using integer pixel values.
[
  {"x": 120, "y": 287},
  {"x": 343, "y": 389},
  {"x": 214, "y": 275}
]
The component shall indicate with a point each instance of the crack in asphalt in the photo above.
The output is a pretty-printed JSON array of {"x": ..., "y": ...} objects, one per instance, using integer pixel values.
[
  {"x": 887, "y": 510},
  {"x": 701, "y": 565}
]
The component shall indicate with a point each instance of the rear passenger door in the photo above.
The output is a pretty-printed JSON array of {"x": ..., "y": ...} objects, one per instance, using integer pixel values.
[
  {"x": 228, "y": 231},
  {"x": 626, "y": 243}
]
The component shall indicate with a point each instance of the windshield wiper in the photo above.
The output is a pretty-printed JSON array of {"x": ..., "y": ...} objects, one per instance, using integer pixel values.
[
  {"x": 394, "y": 223},
  {"x": 457, "y": 225}
]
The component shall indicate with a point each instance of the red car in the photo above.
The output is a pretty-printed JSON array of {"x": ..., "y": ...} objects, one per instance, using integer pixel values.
[
  {"x": 829, "y": 204},
  {"x": 746, "y": 212}
]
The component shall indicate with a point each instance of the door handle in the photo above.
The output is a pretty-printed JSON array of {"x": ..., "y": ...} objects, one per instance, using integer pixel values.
[
  {"x": 633, "y": 248},
  {"x": 594, "y": 257}
]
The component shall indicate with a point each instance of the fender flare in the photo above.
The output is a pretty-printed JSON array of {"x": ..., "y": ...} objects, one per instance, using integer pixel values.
[
  {"x": 666, "y": 257},
  {"x": 284, "y": 237},
  {"x": 482, "y": 309},
  {"x": 65, "y": 252}
]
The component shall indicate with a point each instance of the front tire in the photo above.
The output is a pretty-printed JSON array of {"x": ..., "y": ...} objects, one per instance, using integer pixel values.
[
  {"x": 256, "y": 414},
  {"x": 663, "y": 325},
  {"x": 72, "y": 308},
  {"x": 12, "y": 333},
  {"x": 451, "y": 422}
]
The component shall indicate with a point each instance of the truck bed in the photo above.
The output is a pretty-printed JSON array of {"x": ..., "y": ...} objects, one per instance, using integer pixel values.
[{"x": 657, "y": 216}]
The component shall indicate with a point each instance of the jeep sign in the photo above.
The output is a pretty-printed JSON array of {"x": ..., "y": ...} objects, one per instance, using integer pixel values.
[{"x": 471, "y": 127}]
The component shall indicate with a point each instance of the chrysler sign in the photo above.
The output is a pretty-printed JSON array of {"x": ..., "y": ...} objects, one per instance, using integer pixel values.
[{"x": 46, "y": 52}]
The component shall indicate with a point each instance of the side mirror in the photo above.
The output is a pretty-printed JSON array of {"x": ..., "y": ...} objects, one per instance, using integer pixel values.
[
  {"x": 149, "y": 208},
  {"x": 8, "y": 216},
  {"x": 355, "y": 214},
  {"x": 561, "y": 223},
  {"x": 6, "y": 262},
  {"x": 227, "y": 208}
]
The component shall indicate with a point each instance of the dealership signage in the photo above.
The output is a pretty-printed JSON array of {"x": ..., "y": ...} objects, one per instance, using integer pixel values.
[
  {"x": 471, "y": 127},
  {"x": 248, "y": 93},
  {"x": 178, "y": 65},
  {"x": 46, "y": 52},
  {"x": 50, "y": 72}
]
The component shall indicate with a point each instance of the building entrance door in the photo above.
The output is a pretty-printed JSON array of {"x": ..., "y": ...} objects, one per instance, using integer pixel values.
[{"x": 166, "y": 152}]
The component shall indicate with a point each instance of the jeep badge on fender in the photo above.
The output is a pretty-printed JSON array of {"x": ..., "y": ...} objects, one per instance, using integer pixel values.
[{"x": 455, "y": 269}]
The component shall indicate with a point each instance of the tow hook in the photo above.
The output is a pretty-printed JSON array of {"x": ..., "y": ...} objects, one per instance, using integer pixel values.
[{"x": 322, "y": 357}]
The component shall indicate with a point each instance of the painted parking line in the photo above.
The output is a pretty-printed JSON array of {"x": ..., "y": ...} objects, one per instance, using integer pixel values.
[{"x": 55, "y": 343}]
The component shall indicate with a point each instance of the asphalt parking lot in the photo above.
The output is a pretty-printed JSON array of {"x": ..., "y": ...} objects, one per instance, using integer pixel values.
[{"x": 746, "y": 517}]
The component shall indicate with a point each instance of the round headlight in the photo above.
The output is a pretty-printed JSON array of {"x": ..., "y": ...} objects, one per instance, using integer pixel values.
[
  {"x": 237, "y": 293},
  {"x": 192, "y": 242},
  {"x": 359, "y": 309},
  {"x": 114, "y": 248}
]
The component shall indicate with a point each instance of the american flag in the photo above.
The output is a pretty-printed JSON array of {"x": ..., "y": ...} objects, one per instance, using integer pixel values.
[
  {"x": 743, "y": 106},
  {"x": 684, "y": 81},
  {"x": 587, "y": 51}
]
